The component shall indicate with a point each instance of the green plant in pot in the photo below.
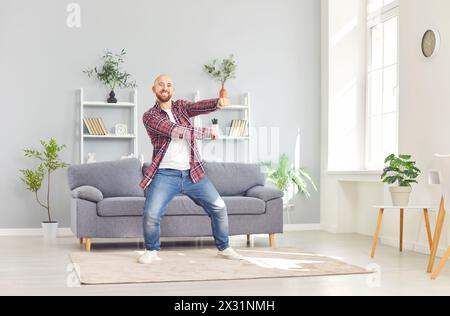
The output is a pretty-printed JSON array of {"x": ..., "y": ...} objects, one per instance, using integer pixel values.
[
  {"x": 215, "y": 125},
  {"x": 402, "y": 171},
  {"x": 49, "y": 162},
  {"x": 111, "y": 74},
  {"x": 222, "y": 72},
  {"x": 285, "y": 177}
]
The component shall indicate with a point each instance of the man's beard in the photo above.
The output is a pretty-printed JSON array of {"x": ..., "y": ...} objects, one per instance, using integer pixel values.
[{"x": 163, "y": 98}]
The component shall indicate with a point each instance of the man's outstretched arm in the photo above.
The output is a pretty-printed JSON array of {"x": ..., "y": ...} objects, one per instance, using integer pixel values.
[
  {"x": 164, "y": 127},
  {"x": 201, "y": 107},
  {"x": 204, "y": 107}
]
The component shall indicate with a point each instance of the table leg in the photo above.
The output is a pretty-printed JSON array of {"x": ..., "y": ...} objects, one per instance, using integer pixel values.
[
  {"x": 437, "y": 235},
  {"x": 428, "y": 226},
  {"x": 377, "y": 233},
  {"x": 402, "y": 220},
  {"x": 441, "y": 265}
]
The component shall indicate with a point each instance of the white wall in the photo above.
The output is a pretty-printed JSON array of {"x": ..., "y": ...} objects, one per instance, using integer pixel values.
[
  {"x": 424, "y": 93},
  {"x": 423, "y": 119},
  {"x": 276, "y": 43},
  {"x": 424, "y": 111}
]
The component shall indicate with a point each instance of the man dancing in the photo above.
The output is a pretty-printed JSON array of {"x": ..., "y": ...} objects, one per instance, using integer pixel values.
[{"x": 177, "y": 168}]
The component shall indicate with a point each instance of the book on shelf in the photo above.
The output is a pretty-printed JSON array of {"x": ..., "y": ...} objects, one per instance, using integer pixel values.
[
  {"x": 105, "y": 130},
  {"x": 233, "y": 125},
  {"x": 95, "y": 126},
  {"x": 90, "y": 126},
  {"x": 85, "y": 121},
  {"x": 101, "y": 126},
  {"x": 239, "y": 128}
]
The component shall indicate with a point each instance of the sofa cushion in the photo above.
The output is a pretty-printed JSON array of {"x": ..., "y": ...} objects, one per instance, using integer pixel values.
[
  {"x": 180, "y": 206},
  {"x": 87, "y": 193},
  {"x": 231, "y": 179},
  {"x": 112, "y": 178},
  {"x": 121, "y": 206},
  {"x": 265, "y": 193},
  {"x": 237, "y": 205}
]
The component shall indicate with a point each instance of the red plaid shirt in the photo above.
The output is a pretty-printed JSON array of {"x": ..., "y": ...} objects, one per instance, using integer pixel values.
[{"x": 161, "y": 131}]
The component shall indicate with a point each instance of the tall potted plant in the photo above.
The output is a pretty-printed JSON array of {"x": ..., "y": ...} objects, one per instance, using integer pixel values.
[
  {"x": 400, "y": 170},
  {"x": 222, "y": 72},
  {"x": 34, "y": 178},
  {"x": 111, "y": 74},
  {"x": 285, "y": 177}
]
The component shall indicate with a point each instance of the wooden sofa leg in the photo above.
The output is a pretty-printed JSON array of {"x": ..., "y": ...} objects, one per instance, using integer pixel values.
[
  {"x": 88, "y": 245},
  {"x": 81, "y": 241},
  {"x": 248, "y": 239},
  {"x": 271, "y": 240}
]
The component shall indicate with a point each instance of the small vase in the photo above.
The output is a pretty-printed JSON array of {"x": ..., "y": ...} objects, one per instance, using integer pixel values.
[
  {"x": 223, "y": 92},
  {"x": 215, "y": 128},
  {"x": 112, "y": 97}
]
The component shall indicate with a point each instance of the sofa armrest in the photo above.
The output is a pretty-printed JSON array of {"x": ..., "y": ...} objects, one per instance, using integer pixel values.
[
  {"x": 264, "y": 193},
  {"x": 88, "y": 193}
]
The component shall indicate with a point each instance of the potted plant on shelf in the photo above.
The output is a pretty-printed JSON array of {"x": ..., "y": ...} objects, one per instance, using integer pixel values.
[
  {"x": 215, "y": 125},
  {"x": 33, "y": 178},
  {"x": 286, "y": 177},
  {"x": 400, "y": 170},
  {"x": 222, "y": 72},
  {"x": 111, "y": 74}
]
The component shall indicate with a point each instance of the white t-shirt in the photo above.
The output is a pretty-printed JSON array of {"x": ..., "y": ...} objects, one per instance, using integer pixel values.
[{"x": 179, "y": 152}]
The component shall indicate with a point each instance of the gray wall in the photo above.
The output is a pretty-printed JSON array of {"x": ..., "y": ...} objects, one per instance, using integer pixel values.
[{"x": 277, "y": 44}]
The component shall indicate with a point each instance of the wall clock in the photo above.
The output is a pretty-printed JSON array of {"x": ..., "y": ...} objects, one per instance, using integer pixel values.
[{"x": 431, "y": 42}]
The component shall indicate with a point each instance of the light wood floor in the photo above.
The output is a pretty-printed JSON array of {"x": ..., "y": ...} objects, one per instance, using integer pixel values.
[{"x": 28, "y": 267}]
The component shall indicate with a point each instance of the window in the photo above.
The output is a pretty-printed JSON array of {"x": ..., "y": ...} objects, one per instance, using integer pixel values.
[
  {"x": 375, "y": 6},
  {"x": 382, "y": 82}
]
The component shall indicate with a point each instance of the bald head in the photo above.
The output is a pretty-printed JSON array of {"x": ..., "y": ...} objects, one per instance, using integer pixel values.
[
  {"x": 163, "y": 88},
  {"x": 162, "y": 78}
]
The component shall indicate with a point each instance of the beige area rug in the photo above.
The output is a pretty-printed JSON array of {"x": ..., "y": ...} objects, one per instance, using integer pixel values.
[{"x": 203, "y": 265}]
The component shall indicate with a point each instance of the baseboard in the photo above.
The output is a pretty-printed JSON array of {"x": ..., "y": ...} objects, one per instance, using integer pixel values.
[
  {"x": 411, "y": 246},
  {"x": 301, "y": 227},
  {"x": 31, "y": 232}
]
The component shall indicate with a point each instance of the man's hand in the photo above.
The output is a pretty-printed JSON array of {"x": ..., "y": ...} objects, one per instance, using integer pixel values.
[
  {"x": 223, "y": 102},
  {"x": 215, "y": 135}
]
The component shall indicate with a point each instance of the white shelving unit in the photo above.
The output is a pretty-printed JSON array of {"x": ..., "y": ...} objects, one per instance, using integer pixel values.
[
  {"x": 244, "y": 112},
  {"x": 84, "y": 137}
]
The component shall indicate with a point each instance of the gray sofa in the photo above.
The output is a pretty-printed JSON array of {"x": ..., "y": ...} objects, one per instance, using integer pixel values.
[{"x": 107, "y": 202}]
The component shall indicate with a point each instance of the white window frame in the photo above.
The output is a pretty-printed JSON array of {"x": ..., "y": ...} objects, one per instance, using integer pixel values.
[{"x": 381, "y": 16}]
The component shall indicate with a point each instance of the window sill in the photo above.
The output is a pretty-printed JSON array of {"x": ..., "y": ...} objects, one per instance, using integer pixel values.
[
  {"x": 356, "y": 176},
  {"x": 355, "y": 173}
]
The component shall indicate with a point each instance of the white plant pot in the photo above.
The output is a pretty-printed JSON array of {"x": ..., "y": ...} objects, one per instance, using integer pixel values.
[
  {"x": 215, "y": 128},
  {"x": 50, "y": 231},
  {"x": 400, "y": 195}
]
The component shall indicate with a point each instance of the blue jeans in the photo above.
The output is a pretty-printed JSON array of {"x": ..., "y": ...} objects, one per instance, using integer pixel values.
[{"x": 168, "y": 183}]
